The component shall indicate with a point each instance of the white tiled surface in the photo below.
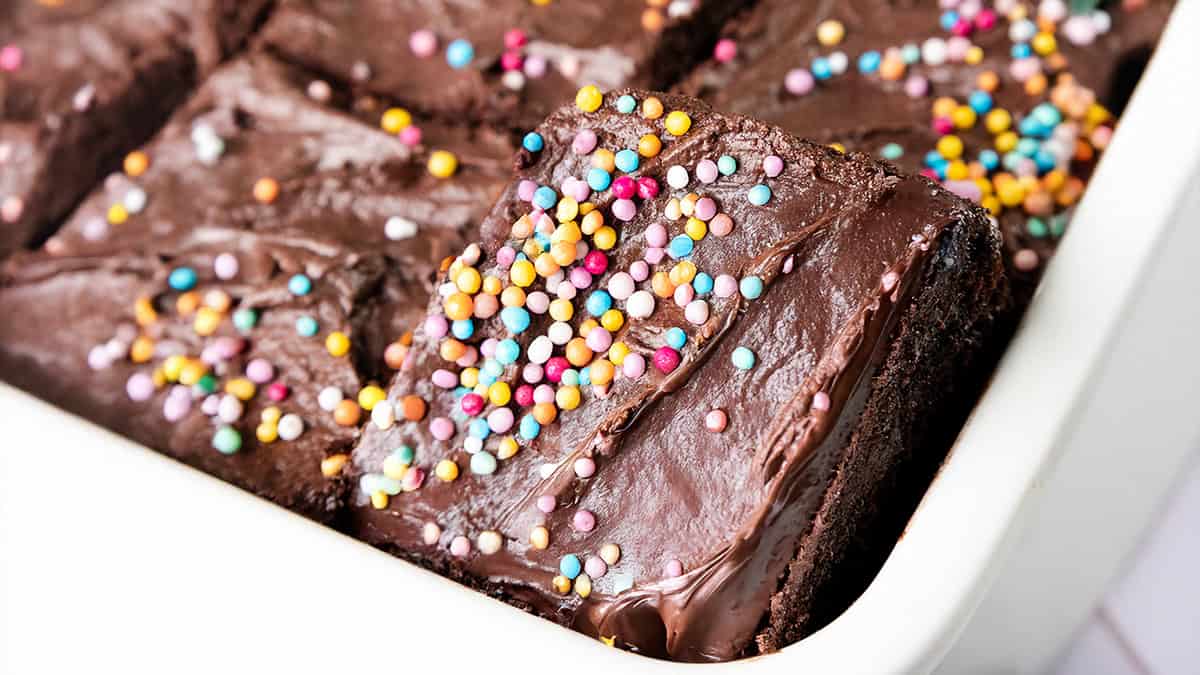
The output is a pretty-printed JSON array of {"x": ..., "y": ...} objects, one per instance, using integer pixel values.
[{"x": 1150, "y": 622}]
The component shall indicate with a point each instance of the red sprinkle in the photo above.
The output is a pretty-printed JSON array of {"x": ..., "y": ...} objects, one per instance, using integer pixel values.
[
  {"x": 647, "y": 187},
  {"x": 515, "y": 38},
  {"x": 595, "y": 262},
  {"x": 277, "y": 391},
  {"x": 666, "y": 359},
  {"x": 555, "y": 368},
  {"x": 623, "y": 187},
  {"x": 524, "y": 395},
  {"x": 472, "y": 404}
]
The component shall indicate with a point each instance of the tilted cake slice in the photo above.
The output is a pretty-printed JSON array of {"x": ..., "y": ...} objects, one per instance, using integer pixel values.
[
  {"x": 231, "y": 298},
  {"x": 676, "y": 379}
]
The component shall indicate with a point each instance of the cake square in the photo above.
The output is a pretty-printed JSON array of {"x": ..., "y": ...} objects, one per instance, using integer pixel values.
[
  {"x": 679, "y": 376},
  {"x": 81, "y": 83}
]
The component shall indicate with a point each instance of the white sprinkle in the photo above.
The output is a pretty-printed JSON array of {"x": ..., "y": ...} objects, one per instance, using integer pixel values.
[
  {"x": 640, "y": 305},
  {"x": 134, "y": 200},
  {"x": 329, "y": 398},
  {"x": 540, "y": 349},
  {"x": 383, "y": 414},
  {"x": 291, "y": 426},
  {"x": 677, "y": 177},
  {"x": 431, "y": 533},
  {"x": 397, "y": 228},
  {"x": 560, "y": 332},
  {"x": 490, "y": 542}
]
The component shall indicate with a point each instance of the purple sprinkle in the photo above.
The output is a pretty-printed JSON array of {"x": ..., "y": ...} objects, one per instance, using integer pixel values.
[
  {"x": 595, "y": 567},
  {"x": 583, "y": 521},
  {"x": 706, "y": 171},
  {"x": 140, "y": 387},
  {"x": 798, "y": 81}
]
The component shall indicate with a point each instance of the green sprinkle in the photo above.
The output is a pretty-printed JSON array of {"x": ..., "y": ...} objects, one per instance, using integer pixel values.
[
  {"x": 1036, "y": 227},
  {"x": 227, "y": 440}
]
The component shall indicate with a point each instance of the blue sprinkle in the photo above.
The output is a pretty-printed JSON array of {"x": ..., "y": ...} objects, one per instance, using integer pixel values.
[
  {"x": 487, "y": 379},
  {"x": 980, "y": 101},
  {"x": 543, "y": 240},
  {"x": 463, "y": 329},
  {"x": 585, "y": 376},
  {"x": 726, "y": 165},
  {"x": 1028, "y": 147},
  {"x": 182, "y": 279},
  {"x": 948, "y": 19},
  {"x": 244, "y": 319},
  {"x": 387, "y": 484},
  {"x": 529, "y": 428},
  {"x": 910, "y": 53},
  {"x": 820, "y": 68},
  {"x": 545, "y": 197},
  {"x": 1031, "y": 126},
  {"x": 459, "y": 54},
  {"x": 702, "y": 284},
  {"x": 570, "y": 378},
  {"x": 892, "y": 151},
  {"x": 515, "y": 319},
  {"x": 598, "y": 179},
  {"x": 1044, "y": 160},
  {"x": 479, "y": 428},
  {"x": 306, "y": 326},
  {"x": 1021, "y": 50},
  {"x": 933, "y": 158},
  {"x": 599, "y": 302},
  {"x": 681, "y": 246},
  {"x": 759, "y": 194},
  {"x": 492, "y": 367},
  {"x": 676, "y": 338},
  {"x": 990, "y": 159},
  {"x": 483, "y": 463},
  {"x": 533, "y": 142},
  {"x": 626, "y": 104},
  {"x": 1048, "y": 115},
  {"x": 626, "y": 160},
  {"x": 460, "y": 391},
  {"x": 751, "y": 287},
  {"x": 743, "y": 358},
  {"x": 869, "y": 62},
  {"x": 300, "y": 284},
  {"x": 570, "y": 566},
  {"x": 508, "y": 351}
]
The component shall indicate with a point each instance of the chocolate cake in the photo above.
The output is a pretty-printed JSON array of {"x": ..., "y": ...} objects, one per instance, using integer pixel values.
[
  {"x": 256, "y": 265},
  {"x": 972, "y": 94},
  {"x": 83, "y": 82},
  {"x": 505, "y": 61},
  {"x": 676, "y": 380}
]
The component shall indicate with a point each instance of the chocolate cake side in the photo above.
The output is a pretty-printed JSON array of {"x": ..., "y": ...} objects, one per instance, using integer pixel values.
[
  {"x": 690, "y": 473},
  {"x": 232, "y": 297},
  {"x": 507, "y": 62},
  {"x": 83, "y": 82}
]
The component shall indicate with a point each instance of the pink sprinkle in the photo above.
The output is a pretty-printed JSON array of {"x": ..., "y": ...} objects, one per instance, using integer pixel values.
[
  {"x": 211, "y": 405},
  {"x": 486, "y": 306},
  {"x": 666, "y": 359},
  {"x": 585, "y": 142},
  {"x": 725, "y": 286},
  {"x": 535, "y": 66},
  {"x": 820, "y": 401},
  {"x": 468, "y": 358},
  {"x": 725, "y": 50},
  {"x": 11, "y": 58},
  {"x": 595, "y": 567},
  {"x": 441, "y": 428},
  {"x": 957, "y": 48},
  {"x": 543, "y": 393},
  {"x": 510, "y": 60},
  {"x": 555, "y": 368},
  {"x": 595, "y": 262},
  {"x": 943, "y": 125},
  {"x": 436, "y": 326},
  {"x": 1023, "y": 69},
  {"x": 647, "y": 187},
  {"x": 654, "y": 255},
  {"x": 460, "y": 546},
  {"x": 546, "y": 503},
  {"x": 706, "y": 171},
  {"x": 505, "y": 256},
  {"x": 524, "y": 395},
  {"x": 673, "y": 568},
  {"x": 639, "y": 270},
  {"x": 175, "y": 407},
  {"x": 656, "y": 235},
  {"x": 537, "y": 302},
  {"x": 577, "y": 189},
  {"x": 583, "y": 521},
  {"x": 916, "y": 86},
  {"x": 788, "y": 264},
  {"x": 624, "y": 187},
  {"x": 580, "y": 278},
  {"x": 414, "y": 479},
  {"x": 259, "y": 371},
  {"x": 966, "y": 189},
  {"x": 772, "y": 165},
  {"x": 423, "y": 43},
  {"x": 515, "y": 38},
  {"x": 229, "y": 347},
  {"x": 624, "y": 210},
  {"x": 585, "y": 467},
  {"x": 684, "y": 294},
  {"x": 705, "y": 209},
  {"x": 634, "y": 366},
  {"x": 962, "y": 28},
  {"x": 715, "y": 421},
  {"x": 225, "y": 266},
  {"x": 532, "y": 373},
  {"x": 139, "y": 387},
  {"x": 1026, "y": 260},
  {"x": 721, "y": 225},
  {"x": 525, "y": 190},
  {"x": 411, "y": 135},
  {"x": 500, "y": 420},
  {"x": 798, "y": 81},
  {"x": 444, "y": 378},
  {"x": 277, "y": 391},
  {"x": 472, "y": 404},
  {"x": 599, "y": 340},
  {"x": 985, "y": 20}
]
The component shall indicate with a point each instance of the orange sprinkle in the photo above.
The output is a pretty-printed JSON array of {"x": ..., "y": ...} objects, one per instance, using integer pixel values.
[
  {"x": 266, "y": 190},
  {"x": 412, "y": 407},
  {"x": 347, "y": 413}
]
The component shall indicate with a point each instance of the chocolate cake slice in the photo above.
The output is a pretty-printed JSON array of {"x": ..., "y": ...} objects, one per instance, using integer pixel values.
[
  {"x": 231, "y": 298},
  {"x": 506, "y": 61},
  {"x": 83, "y": 82},
  {"x": 678, "y": 377},
  {"x": 1009, "y": 103}
]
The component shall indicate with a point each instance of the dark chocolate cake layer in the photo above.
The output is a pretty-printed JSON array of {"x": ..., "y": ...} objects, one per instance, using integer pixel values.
[
  {"x": 83, "y": 82},
  {"x": 262, "y": 257},
  {"x": 504, "y": 61},
  {"x": 678, "y": 376},
  {"x": 1006, "y": 102}
]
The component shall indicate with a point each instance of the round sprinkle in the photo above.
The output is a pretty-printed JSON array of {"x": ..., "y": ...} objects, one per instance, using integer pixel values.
[
  {"x": 715, "y": 421},
  {"x": 442, "y": 164},
  {"x": 751, "y": 287},
  {"x": 772, "y": 165},
  {"x": 583, "y": 585},
  {"x": 290, "y": 427},
  {"x": 727, "y": 165},
  {"x": 182, "y": 279},
  {"x": 759, "y": 194},
  {"x": 589, "y": 98},
  {"x": 306, "y": 326},
  {"x": 673, "y": 568},
  {"x": 397, "y": 228},
  {"x": 441, "y": 428},
  {"x": 266, "y": 190},
  {"x": 460, "y": 546},
  {"x": 831, "y": 32},
  {"x": 585, "y": 467},
  {"x": 725, "y": 50},
  {"x": 227, "y": 440},
  {"x": 539, "y": 537},
  {"x": 570, "y": 566},
  {"x": 799, "y": 82},
  {"x": 561, "y": 584},
  {"x": 678, "y": 123},
  {"x": 595, "y": 567},
  {"x": 446, "y": 470},
  {"x": 706, "y": 171},
  {"x": 743, "y": 358},
  {"x": 483, "y": 463},
  {"x": 583, "y": 521},
  {"x": 300, "y": 284},
  {"x": 337, "y": 343},
  {"x": 459, "y": 54},
  {"x": 585, "y": 142},
  {"x": 610, "y": 553},
  {"x": 546, "y": 503},
  {"x": 423, "y": 43},
  {"x": 626, "y": 104},
  {"x": 533, "y": 142},
  {"x": 490, "y": 542},
  {"x": 431, "y": 533},
  {"x": 641, "y": 304}
]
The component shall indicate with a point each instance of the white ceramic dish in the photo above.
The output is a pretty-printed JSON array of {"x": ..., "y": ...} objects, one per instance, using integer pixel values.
[{"x": 115, "y": 558}]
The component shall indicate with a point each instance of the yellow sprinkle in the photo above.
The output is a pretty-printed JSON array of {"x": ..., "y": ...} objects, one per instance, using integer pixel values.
[
  {"x": 964, "y": 117},
  {"x": 592, "y": 220},
  {"x": 332, "y": 465},
  {"x": 998, "y": 121},
  {"x": 117, "y": 214},
  {"x": 605, "y": 238},
  {"x": 612, "y": 320},
  {"x": 144, "y": 312},
  {"x": 271, "y": 414},
  {"x": 142, "y": 349},
  {"x": 617, "y": 352},
  {"x": 610, "y": 553},
  {"x": 957, "y": 170},
  {"x": 950, "y": 147},
  {"x": 539, "y": 537},
  {"x": 838, "y": 147},
  {"x": 446, "y": 470},
  {"x": 1006, "y": 141},
  {"x": 507, "y": 448},
  {"x": 561, "y": 309},
  {"x": 610, "y": 641},
  {"x": 974, "y": 55},
  {"x": 207, "y": 321},
  {"x": 566, "y": 210},
  {"x": 370, "y": 395},
  {"x": 241, "y": 388},
  {"x": 337, "y": 343},
  {"x": 1044, "y": 44},
  {"x": 831, "y": 32},
  {"x": 469, "y": 377},
  {"x": 442, "y": 164},
  {"x": 492, "y": 285},
  {"x": 393, "y": 468},
  {"x": 192, "y": 371},
  {"x": 468, "y": 280},
  {"x": 522, "y": 273},
  {"x": 499, "y": 393},
  {"x": 583, "y": 585},
  {"x": 266, "y": 433},
  {"x": 567, "y": 398},
  {"x": 395, "y": 120},
  {"x": 379, "y": 500},
  {"x": 695, "y": 228},
  {"x": 561, "y": 584},
  {"x": 172, "y": 366},
  {"x": 589, "y": 98},
  {"x": 678, "y": 123}
]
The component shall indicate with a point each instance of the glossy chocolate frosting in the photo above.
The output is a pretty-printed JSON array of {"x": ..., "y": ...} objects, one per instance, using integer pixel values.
[
  {"x": 339, "y": 183},
  {"x": 844, "y": 246},
  {"x": 84, "y": 82},
  {"x": 866, "y": 113},
  {"x": 566, "y": 45}
]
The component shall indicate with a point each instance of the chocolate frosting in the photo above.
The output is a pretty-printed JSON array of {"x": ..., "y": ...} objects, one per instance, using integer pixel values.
[
  {"x": 608, "y": 44},
  {"x": 842, "y": 246},
  {"x": 866, "y": 113},
  {"x": 339, "y": 180},
  {"x": 94, "y": 79}
]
